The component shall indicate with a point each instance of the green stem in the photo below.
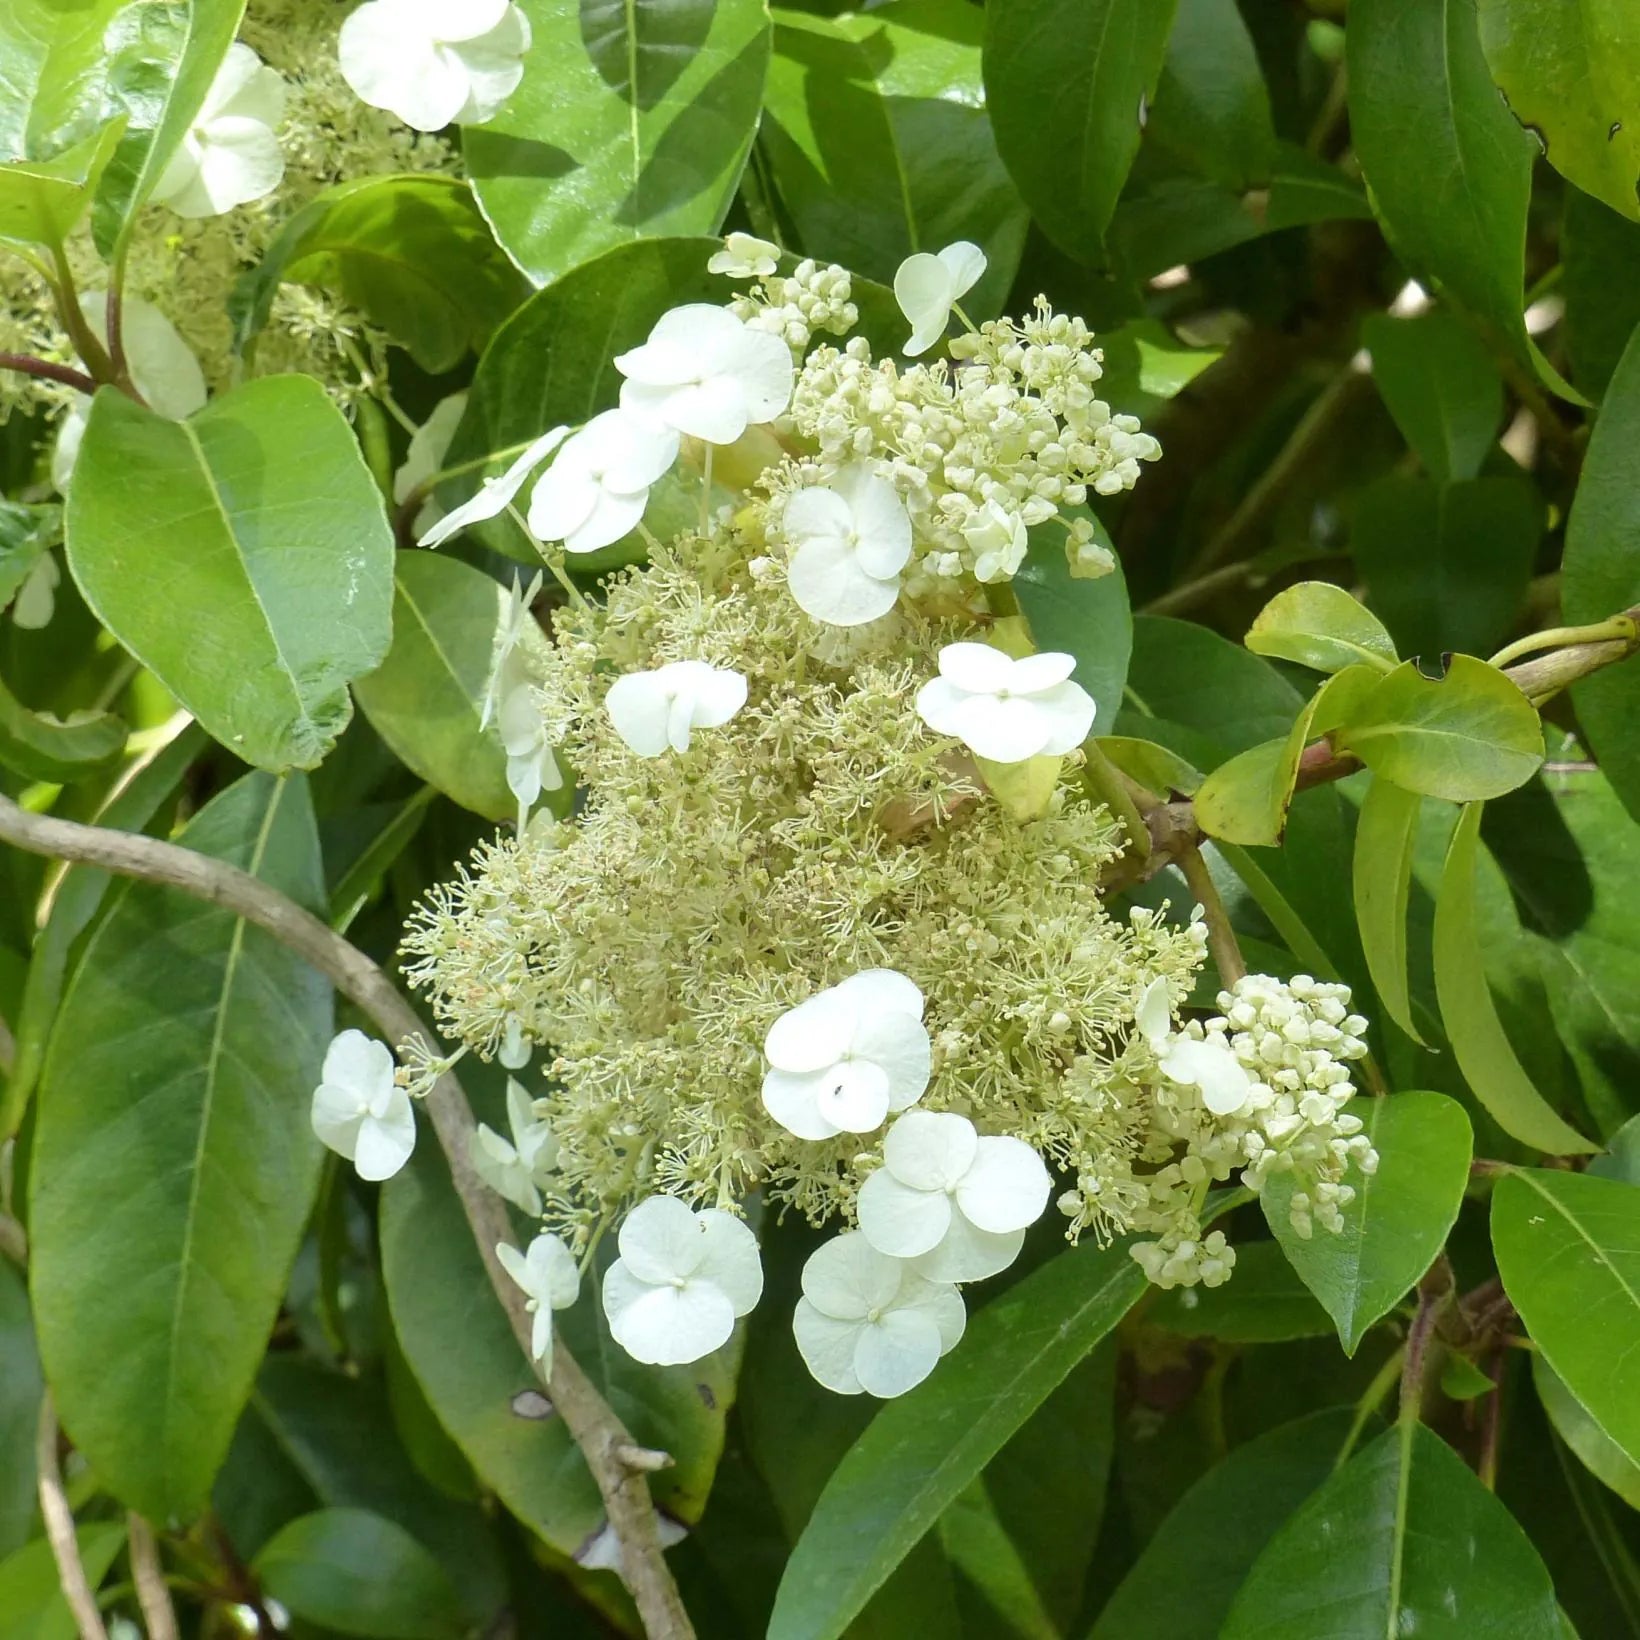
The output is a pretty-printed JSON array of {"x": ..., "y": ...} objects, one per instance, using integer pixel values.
[
  {"x": 93, "y": 355},
  {"x": 1620, "y": 628},
  {"x": 1221, "y": 937},
  {"x": 1372, "y": 1398},
  {"x": 1107, "y": 783}
]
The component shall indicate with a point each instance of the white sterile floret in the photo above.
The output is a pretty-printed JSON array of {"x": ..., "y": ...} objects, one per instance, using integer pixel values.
[
  {"x": 597, "y": 489},
  {"x": 516, "y": 1171},
  {"x": 505, "y": 672},
  {"x": 531, "y": 767},
  {"x": 851, "y": 539},
  {"x": 429, "y": 445},
  {"x": 706, "y": 373},
  {"x": 957, "y": 1203},
  {"x": 495, "y": 495},
  {"x": 928, "y": 285},
  {"x": 744, "y": 256},
  {"x": 654, "y": 711},
  {"x": 998, "y": 539},
  {"x": 36, "y": 600},
  {"x": 359, "y": 1109},
  {"x": 681, "y": 1282},
  {"x": 547, "y": 1275},
  {"x": 230, "y": 154},
  {"x": 846, "y": 1058},
  {"x": 1207, "y": 1064},
  {"x": 514, "y": 1050},
  {"x": 869, "y": 1323},
  {"x": 435, "y": 63},
  {"x": 1003, "y": 709}
]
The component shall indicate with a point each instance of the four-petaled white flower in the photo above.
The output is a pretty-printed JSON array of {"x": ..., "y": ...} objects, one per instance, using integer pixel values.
[
  {"x": 708, "y": 374},
  {"x": 999, "y": 541},
  {"x": 927, "y": 286},
  {"x": 1006, "y": 710},
  {"x": 230, "y": 154},
  {"x": 868, "y": 1322},
  {"x": 744, "y": 256},
  {"x": 681, "y": 1282},
  {"x": 546, "y": 1273},
  {"x": 360, "y": 1111},
  {"x": 852, "y": 538},
  {"x": 429, "y": 445},
  {"x": 531, "y": 767},
  {"x": 655, "y": 710},
  {"x": 843, "y": 1060},
  {"x": 516, "y": 1171},
  {"x": 596, "y": 491},
  {"x": 1208, "y": 1064},
  {"x": 957, "y": 1203},
  {"x": 494, "y": 495},
  {"x": 505, "y": 671},
  {"x": 435, "y": 63}
]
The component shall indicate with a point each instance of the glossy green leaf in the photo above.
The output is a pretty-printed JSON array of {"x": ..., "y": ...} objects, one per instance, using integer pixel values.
[
  {"x": 1264, "y": 1302},
  {"x": 27, "y": 533},
  {"x": 31, "y": 1596},
  {"x": 1470, "y": 1015},
  {"x": 426, "y": 699},
  {"x": 41, "y": 201},
  {"x": 1570, "y": 71},
  {"x": 412, "y": 253},
  {"x": 1471, "y": 736},
  {"x": 20, "y": 1386},
  {"x": 1386, "y": 838},
  {"x": 977, "y": 1544},
  {"x": 633, "y": 122},
  {"x": 1185, "y": 1578},
  {"x": 1069, "y": 83},
  {"x": 1403, "y": 1540},
  {"x": 175, "y": 1278},
  {"x": 1442, "y": 387},
  {"x": 1600, "y": 575},
  {"x": 42, "y": 747},
  {"x": 1399, "y": 1219},
  {"x": 1600, "y": 1455},
  {"x": 1154, "y": 767},
  {"x": 1212, "y": 109},
  {"x": 877, "y": 136},
  {"x": 1145, "y": 365},
  {"x": 1568, "y": 1249},
  {"x": 1449, "y": 168},
  {"x": 54, "y": 65},
  {"x": 243, "y": 555},
  {"x": 1319, "y": 625},
  {"x": 922, "y": 1450},
  {"x": 359, "y": 1573},
  {"x": 1600, "y": 278}
]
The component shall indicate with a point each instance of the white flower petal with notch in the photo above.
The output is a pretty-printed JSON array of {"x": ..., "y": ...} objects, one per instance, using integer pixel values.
[
  {"x": 928, "y": 285},
  {"x": 495, "y": 495}
]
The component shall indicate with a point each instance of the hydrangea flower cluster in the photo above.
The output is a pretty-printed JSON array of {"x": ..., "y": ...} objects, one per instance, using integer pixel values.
[{"x": 796, "y": 945}]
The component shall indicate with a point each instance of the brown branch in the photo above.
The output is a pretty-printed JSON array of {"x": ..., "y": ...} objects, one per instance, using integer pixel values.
[
  {"x": 588, "y": 1417},
  {"x": 1221, "y": 937},
  {"x": 47, "y": 371},
  {"x": 59, "y": 1523},
  {"x": 158, "y": 1614}
]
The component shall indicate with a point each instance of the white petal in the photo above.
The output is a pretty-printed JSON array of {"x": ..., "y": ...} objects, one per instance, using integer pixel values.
[
  {"x": 661, "y": 1240},
  {"x": 899, "y": 1220},
  {"x": 360, "y": 1063},
  {"x": 713, "y": 410},
  {"x": 1007, "y": 1186},
  {"x": 881, "y": 991},
  {"x": 969, "y": 1254},
  {"x": 816, "y": 513},
  {"x": 563, "y": 499},
  {"x": 541, "y": 1336},
  {"x": 937, "y": 1299},
  {"x": 385, "y": 1142},
  {"x": 827, "y": 1347},
  {"x": 1036, "y": 674},
  {"x": 612, "y": 517},
  {"x": 494, "y": 66},
  {"x": 163, "y": 366},
  {"x": 1213, "y": 1068},
  {"x": 638, "y": 707},
  {"x": 731, "y": 1258},
  {"x": 494, "y": 495},
  {"x": 761, "y": 364},
  {"x": 554, "y": 1278},
  {"x": 896, "y": 1352},
  {"x": 854, "y": 1095},
  {"x": 718, "y": 692},
  {"x": 976, "y": 667},
  {"x": 239, "y": 161},
  {"x": 810, "y": 1036},
  {"x": 940, "y": 704},
  {"x": 1154, "y": 1014},
  {"x": 400, "y": 70},
  {"x": 336, "y": 1116},
  {"x": 922, "y": 287},
  {"x": 625, "y": 452},
  {"x": 515, "y": 1050},
  {"x": 964, "y": 263},
  {"x": 247, "y": 87},
  {"x": 930, "y": 1150},
  {"x": 879, "y": 518},
  {"x": 668, "y": 1326},
  {"x": 847, "y": 1278},
  {"x": 498, "y": 1165},
  {"x": 66, "y": 450},
  {"x": 792, "y": 1098},
  {"x": 516, "y": 1266},
  {"x": 429, "y": 445},
  {"x": 685, "y": 344},
  {"x": 453, "y": 19},
  {"x": 1067, "y": 713},
  {"x": 828, "y": 581},
  {"x": 1004, "y": 731},
  {"x": 899, "y": 1046}
]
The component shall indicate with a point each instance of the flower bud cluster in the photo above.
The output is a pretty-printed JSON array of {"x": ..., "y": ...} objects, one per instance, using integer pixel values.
[{"x": 797, "y": 306}]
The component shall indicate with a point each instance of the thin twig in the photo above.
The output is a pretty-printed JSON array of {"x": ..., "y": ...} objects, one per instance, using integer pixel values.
[
  {"x": 59, "y": 1522},
  {"x": 594, "y": 1426},
  {"x": 1221, "y": 937},
  {"x": 149, "y": 1576},
  {"x": 47, "y": 371}
]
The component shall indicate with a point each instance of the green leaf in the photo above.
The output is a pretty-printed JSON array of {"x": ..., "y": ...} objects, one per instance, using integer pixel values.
[
  {"x": 41, "y": 201},
  {"x": 633, "y": 122},
  {"x": 876, "y": 133},
  {"x": 1264, "y": 1302},
  {"x": 1601, "y": 1456},
  {"x": 31, "y": 1595},
  {"x": 27, "y": 533},
  {"x": 1153, "y": 767},
  {"x": 1447, "y": 565},
  {"x": 20, "y": 1386},
  {"x": 1441, "y": 386},
  {"x": 1470, "y": 1015},
  {"x": 1570, "y": 71},
  {"x": 922, "y": 1450},
  {"x": 1600, "y": 575},
  {"x": 1386, "y": 840},
  {"x": 1568, "y": 1249},
  {"x": 977, "y": 1544},
  {"x": 1069, "y": 83},
  {"x": 1403, "y": 1540},
  {"x": 42, "y": 747},
  {"x": 1600, "y": 277},
  {"x": 1399, "y": 1219},
  {"x": 1470, "y": 736},
  {"x": 1322, "y": 627},
  {"x": 425, "y": 700},
  {"x": 175, "y": 1277},
  {"x": 54, "y": 67},
  {"x": 1449, "y": 169},
  {"x": 412, "y": 253},
  {"x": 1145, "y": 365},
  {"x": 1186, "y": 1576},
  {"x": 1212, "y": 110},
  {"x": 359, "y": 1573},
  {"x": 277, "y": 560}
]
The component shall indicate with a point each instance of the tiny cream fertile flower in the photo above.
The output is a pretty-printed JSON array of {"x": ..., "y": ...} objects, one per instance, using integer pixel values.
[
  {"x": 744, "y": 256},
  {"x": 515, "y": 1171},
  {"x": 957, "y": 1203},
  {"x": 531, "y": 767},
  {"x": 708, "y": 374},
  {"x": 230, "y": 154},
  {"x": 868, "y": 1323},
  {"x": 429, "y": 445},
  {"x": 846, "y": 1058},
  {"x": 494, "y": 495},
  {"x": 597, "y": 489},
  {"x": 928, "y": 285},
  {"x": 852, "y": 537},
  {"x": 547, "y": 1275},
  {"x": 999, "y": 541},
  {"x": 1003, "y": 709},
  {"x": 654, "y": 711},
  {"x": 1209, "y": 1064},
  {"x": 360, "y": 1111},
  {"x": 681, "y": 1282},
  {"x": 435, "y": 63}
]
